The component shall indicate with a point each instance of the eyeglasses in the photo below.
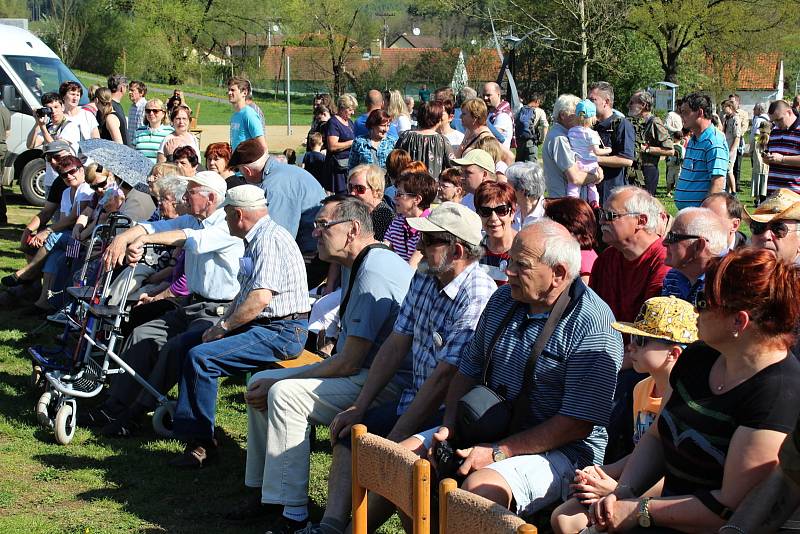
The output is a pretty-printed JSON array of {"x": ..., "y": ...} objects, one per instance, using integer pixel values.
[
  {"x": 398, "y": 194},
  {"x": 700, "y": 301},
  {"x": 446, "y": 185},
  {"x": 778, "y": 228},
  {"x": 429, "y": 240},
  {"x": 99, "y": 185},
  {"x": 156, "y": 110},
  {"x": 608, "y": 215},
  {"x": 357, "y": 188},
  {"x": 486, "y": 212},
  {"x": 675, "y": 237},
  {"x": 66, "y": 174},
  {"x": 642, "y": 341},
  {"x": 324, "y": 225}
]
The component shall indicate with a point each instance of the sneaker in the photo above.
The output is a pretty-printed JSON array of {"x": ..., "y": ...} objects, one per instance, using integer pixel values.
[
  {"x": 59, "y": 317},
  {"x": 284, "y": 525}
]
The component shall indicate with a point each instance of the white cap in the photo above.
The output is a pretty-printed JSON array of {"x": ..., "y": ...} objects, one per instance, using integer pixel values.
[
  {"x": 245, "y": 196},
  {"x": 212, "y": 180}
]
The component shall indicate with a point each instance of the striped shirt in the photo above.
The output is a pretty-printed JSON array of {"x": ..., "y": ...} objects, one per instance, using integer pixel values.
[
  {"x": 676, "y": 284},
  {"x": 576, "y": 374},
  {"x": 135, "y": 120},
  {"x": 786, "y": 142},
  {"x": 705, "y": 156},
  {"x": 148, "y": 141},
  {"x": 401, "y": 237},
  {"x": 272, "y": 260},
  {"x": 441, "y": 321}
]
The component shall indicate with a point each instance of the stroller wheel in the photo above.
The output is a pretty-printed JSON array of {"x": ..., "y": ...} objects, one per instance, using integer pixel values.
[
  {"x": 65, "y": 424},
  {"x": 162, "y": 419},
  {"x": 43, "y": 410}
]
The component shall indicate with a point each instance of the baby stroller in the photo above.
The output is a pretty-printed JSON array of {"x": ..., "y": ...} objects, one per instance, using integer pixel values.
[{"x": 81, "y": 372}]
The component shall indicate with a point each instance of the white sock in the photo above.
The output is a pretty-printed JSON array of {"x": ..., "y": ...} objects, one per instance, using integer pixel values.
[{"x": 296, "y": 513}]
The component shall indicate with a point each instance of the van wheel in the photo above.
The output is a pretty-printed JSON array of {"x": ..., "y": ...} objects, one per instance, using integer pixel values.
[{"x": 32, "y": 182}]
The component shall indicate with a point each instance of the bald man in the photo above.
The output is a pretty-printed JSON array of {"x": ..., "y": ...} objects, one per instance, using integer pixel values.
[
  {"x": 373, "y": 101},
  {"x": 501, "y": 117}
]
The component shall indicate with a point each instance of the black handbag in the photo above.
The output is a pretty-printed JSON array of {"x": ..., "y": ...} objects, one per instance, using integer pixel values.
[
  {"x": 341, "y": 164},
  {"x": 485, "y": 416}
]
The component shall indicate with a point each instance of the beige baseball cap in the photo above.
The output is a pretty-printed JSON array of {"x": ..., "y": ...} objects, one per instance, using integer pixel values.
[
  {"x": 478, "y": 157},
  {"x": 210, "y": 179},
  {"x": 245, "y": 196},
  {"x": 453, "y": 218}
]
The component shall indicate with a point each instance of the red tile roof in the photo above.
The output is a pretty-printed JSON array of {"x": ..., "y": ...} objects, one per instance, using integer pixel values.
[{"x": 759, "y": 73}]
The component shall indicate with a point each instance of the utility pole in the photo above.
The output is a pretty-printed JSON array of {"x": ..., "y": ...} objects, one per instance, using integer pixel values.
[
  {"x": 385, "y": 27},
  {"x": 584, "y": 50}
]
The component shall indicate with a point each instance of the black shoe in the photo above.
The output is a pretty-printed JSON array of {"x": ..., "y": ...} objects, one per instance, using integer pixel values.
[
  {"x": 12, "y": 280},
  {"x": 251, "y": 509},
  {"x": 95, "y": 417},
  {"x": 284, "y": 525},
  {"x": 124, "y": 427}
]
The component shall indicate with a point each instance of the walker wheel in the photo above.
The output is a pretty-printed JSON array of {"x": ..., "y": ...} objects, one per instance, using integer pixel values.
[
  {"x": 65, "y": 424},
  {"x": 163, "y": 418}
]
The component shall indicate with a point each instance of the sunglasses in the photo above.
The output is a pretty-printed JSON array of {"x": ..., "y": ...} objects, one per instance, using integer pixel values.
[
  {"x": 153, "y": 110},
  {"x": 357, "y": 188},
  {"x": 642, "y": 341},
  {"x": 608, "y": 215},
  {"x": 66, "y": 174},
  {"x": 675, "y": 237},
  {"x": 486, "y": 212},
  {"x": 700, "y": 301},
  {"x": 99, "y": 185},
  {"x": 779, "y": 229},
  {"x": 431, "y": 241}
]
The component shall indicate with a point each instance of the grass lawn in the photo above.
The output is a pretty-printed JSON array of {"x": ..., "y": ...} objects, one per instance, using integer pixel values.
[
  {"x": 210, "y": 112},
  {"x": 100, "y": 485}
]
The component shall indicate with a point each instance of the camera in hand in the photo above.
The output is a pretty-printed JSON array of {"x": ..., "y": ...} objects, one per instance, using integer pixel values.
[
  {"x": 43, "y": 112},
  {"x": 447, "y": 461}
]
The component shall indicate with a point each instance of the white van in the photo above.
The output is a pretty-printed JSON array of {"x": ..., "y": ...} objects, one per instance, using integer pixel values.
[{"x": 28, "y": 69}]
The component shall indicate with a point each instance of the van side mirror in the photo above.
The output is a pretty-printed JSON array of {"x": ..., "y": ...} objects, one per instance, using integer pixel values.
[{"x": 11, "y": 98}]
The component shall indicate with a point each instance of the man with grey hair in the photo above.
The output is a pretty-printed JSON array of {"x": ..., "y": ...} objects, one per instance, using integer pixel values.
[
  {"x": 558, "y": 158},
  {"x": 527, "y": 179},
  {"x": 653, "y": 141},
  {"x": 565, "y": 409},
  {"x": 282, "y": 403},
  {"x": 436, "y": 321},
  {"x": 697, "y": 236},
  {"x": 616, "y": 133},
  {"x": 628, "y": 272}
]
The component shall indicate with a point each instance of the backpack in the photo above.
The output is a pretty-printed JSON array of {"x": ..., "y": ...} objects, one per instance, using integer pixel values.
[{"x": 525, "y": 127}]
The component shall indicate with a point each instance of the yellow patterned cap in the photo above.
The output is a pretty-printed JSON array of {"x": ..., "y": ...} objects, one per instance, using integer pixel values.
[{"x": 664, "y": 318}]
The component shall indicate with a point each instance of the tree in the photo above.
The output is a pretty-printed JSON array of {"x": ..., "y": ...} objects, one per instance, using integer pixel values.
[
  {"x": 675, "y": 26},
  {"x": 64, "y": 27}
]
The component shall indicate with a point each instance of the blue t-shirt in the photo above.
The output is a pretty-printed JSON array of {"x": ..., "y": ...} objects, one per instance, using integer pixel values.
[
  {"x": 360, "y": 125},
  {"x": 706, "y": 156},
  {"x": 380, "y": 287},
  {"x": 621, "y": 140},
  {"x": 245, "y": 124}
]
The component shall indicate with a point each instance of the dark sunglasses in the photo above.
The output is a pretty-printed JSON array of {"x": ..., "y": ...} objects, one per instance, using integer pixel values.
[
  {"x": 156, "y": 110},
  {"x": 99, "y": 185},
  {"x": 642, "y": 341},
  {"x": 700, "y": 301},
  {"x": 675, "y": 237},
  {"x": 486, "y": 212},
  {"x": 779, "y": 229},
  {"x": 357, "y": 188},
  {"x": 66, "y": 174}
]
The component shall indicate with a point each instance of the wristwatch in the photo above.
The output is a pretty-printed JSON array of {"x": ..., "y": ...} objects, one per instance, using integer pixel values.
[
  {"x": 497, "y": 454},
  {"x": 222, "y": 326},
  {"x": 645, "y": 521}
]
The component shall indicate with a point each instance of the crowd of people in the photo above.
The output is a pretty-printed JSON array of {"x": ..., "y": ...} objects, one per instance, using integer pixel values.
[{"x": 502, "y": 293}]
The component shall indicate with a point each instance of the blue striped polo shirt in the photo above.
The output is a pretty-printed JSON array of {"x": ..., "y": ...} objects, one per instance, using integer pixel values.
[
  {"x": 786, "y": 142},
  {"x": 576, "y": 374},
  {"x": 705, "y": 156}
]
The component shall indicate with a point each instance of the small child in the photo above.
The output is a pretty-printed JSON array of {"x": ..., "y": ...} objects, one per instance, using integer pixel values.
[
  {"x": 587, "y": 146},
  {"x": 291, "y": 156},
  {"x": 314, "y": 159},
  {"x": 662, "y": 330},
  {"x": 675, "y": 161}
]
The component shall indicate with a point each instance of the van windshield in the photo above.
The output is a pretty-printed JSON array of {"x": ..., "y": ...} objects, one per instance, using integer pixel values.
[{"x": 43, "y": 74}]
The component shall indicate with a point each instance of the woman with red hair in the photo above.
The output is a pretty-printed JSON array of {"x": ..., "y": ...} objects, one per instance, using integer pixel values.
[
  {"x": 217, "y": 157},
  {"x": 496, "y": 203},
  {"x": 577, "y": 216},
  {"x": 734, "y": 399}
]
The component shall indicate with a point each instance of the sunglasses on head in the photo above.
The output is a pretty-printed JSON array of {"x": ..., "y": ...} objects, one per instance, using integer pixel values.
[
  {"x": 357, "y": 188},
  {"x": 501, "y": 210},
  {"x": 778, "y": 228},
  {"x": 675, "y": 237}
]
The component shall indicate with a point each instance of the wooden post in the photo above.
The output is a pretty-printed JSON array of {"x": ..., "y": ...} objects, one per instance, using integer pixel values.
[
  {"x": 359, "y": 492},
  {"x": 445, "y": 486},
  {"x": 422, "y": 497}
]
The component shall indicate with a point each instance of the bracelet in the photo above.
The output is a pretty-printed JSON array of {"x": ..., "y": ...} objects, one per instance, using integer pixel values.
[{"x": 732, "y": 527}]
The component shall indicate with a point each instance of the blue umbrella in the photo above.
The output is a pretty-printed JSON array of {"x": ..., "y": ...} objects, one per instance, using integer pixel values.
[{"x": 128, "y": 164}]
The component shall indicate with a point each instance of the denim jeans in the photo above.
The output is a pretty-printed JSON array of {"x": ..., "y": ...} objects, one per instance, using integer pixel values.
[{"x": 246, "y": 349}]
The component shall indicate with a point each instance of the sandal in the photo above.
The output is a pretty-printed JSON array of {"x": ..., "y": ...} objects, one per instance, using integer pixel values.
[{"x": 121, "y": 428}]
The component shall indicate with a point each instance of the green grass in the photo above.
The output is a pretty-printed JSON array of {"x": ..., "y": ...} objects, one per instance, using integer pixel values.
[
  {"x": 211, "y": 113},
  {"x": 100, "y": 485}
]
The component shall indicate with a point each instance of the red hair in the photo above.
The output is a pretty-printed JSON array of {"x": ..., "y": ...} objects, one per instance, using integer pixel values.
[
  {"x": 755, "y": 281},
  {"x": 577, "y": 217},
  {"x": 495, "y": 192},
  {"x": 219, "y": 150},
  {"x": 396, "y": 161}
]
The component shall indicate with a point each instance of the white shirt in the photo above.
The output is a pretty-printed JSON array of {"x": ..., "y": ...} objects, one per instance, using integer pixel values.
[
  {"x": 69, "y": 204},
  {"x": 72, "y": 135},
  {"x": 505, "y": 124},
  {"x": 402, "y": 123},
  {"x": 455, "y": 138},
  {"x": 86, "y": 123}
]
